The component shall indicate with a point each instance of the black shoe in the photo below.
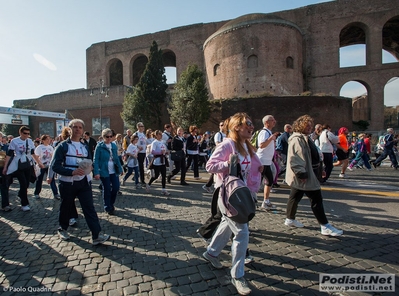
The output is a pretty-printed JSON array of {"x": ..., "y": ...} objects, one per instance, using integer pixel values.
[
  {"x": 275, "y": 185},
  {"x": 374, "y": 164},
  {"x": 184, "y": 183},
  {"x": 111, "y": 212},
  {"x": 170, "y": 178}
]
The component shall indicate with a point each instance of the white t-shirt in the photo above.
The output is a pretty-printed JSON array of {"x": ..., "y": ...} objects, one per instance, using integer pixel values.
[
  {"x": 157, "y": 148},
  {"x": 219, "y": 137},
  {"x": 142, "y": 143},
  {"x": 132, "y": 161},
  {"x": 245, "y": 163},
  {"x": 76, "y": 153},
  {"x": 266, "y": 154},
  {"x": 45, "y": 153},
  {"x": 19, "y": 146},
  {"x": 111, "y": 165}
]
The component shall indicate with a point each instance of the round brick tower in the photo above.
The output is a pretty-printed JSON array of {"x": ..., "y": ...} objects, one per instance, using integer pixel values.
[{"x": 254, "y": 55}]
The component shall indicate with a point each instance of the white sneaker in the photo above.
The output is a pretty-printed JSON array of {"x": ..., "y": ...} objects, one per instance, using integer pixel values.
[
  {"x": 328, "y": 229},
  {"x": 63, "y": 234},
  {"x": 213, "y": 260},
  {"x": 293, "y": 223},
  {"x": 197, "y": 178},
  {"x": 268, "y": 206},
  {"x": 174, "y": 177},
  {"x": 241, "y": 286},
  {"x": 341, "y": 175},
  {"x": 72, "y": 221},
  {"x": 25, "y": 208},
  {"x": 166, "y": 193},
  {"x": 273, "y": 190},
  {"x": 249, "y": 259},
  {"x": 349, "y": 168},
  {"x": 207, "y": 189},
  {"x": 100, "y": 239}
]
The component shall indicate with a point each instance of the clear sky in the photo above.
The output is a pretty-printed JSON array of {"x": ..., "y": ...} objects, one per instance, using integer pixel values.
[{"x": 43, "y": 42}]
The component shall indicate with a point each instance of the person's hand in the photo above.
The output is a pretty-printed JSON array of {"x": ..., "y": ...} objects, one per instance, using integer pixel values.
[
  {"x": 121, "y": 174},
  {"x": 260, "y": 169},
  {"x": 78, "y": 172},
  {"x": 49, "y": 180},
  {"x": 323, "y": 174},
  {"x": 4, "y": 170},
  {"x": 97, "y": 177}
]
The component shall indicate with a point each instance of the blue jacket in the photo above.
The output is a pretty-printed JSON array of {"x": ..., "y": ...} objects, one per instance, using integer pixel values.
[{"x": 101, "y": 157}]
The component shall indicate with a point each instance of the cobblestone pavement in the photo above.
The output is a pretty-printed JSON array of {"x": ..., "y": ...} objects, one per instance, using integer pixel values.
[{"x": 153, "y": 249}]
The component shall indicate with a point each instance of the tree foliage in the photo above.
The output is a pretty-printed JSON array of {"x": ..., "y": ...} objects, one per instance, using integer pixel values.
[
  {"x": 190, "y": 100},
  {"x": 362, "y": 125},
  {"x": 146, "y": 100}
]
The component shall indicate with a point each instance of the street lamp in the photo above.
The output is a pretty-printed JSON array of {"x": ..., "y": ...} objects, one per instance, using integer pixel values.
[{"x": 100, "y": 92}]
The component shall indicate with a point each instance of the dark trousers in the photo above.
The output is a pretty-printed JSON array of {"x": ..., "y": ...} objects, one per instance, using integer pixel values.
[
  {"x": 387, "y": 152},
  {"x": 141, "y": 159},
  {"x": 193, "y": 158},
  {"x": 328, "y": 164},
  {"x": 39, "y": 183},
  {"x": 159, "y": 169},
  {"x": 82, "y": 190},
  {"x": 23, "y": 179},
  {"x": 180, "y": 166},
  {"x": 111, "y": 187},
  {"x": 316, "y": 203},
  {"x": 130, "y": 172},
  {"x": 210, "y": 181},
  {"x": 209, "y": 227},
  {"x": 5, "y": 201}
]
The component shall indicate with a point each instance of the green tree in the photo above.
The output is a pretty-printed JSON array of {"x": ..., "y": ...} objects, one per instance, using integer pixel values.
[
  {"x": 146, "y": 101},
  {"x": 190, "y": 100}
]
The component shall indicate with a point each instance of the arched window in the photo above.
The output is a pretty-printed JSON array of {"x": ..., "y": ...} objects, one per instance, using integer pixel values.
[
  {"x": 390, "y": 41},
  {"x": 289, "y": 63},
  {"x": 352, "y": 41},
  {"x": 252, "y": 61},
  {"x": 116, "y": 73},
  {"x": 169, "y": 62},
  {"x": 138, "y": 68},
  {"x": 216, "y": 69}
]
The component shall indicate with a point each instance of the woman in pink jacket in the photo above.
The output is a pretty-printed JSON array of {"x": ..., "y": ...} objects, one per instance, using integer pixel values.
[{"x": 238, "y": 141}]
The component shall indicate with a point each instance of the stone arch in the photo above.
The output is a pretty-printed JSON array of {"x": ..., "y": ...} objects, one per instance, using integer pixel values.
[
  {"x": 252, "y": 61},
  {"x": 115, "y": 72},
  {"x": 390, "y": 37},
  {"x": 169, "y": 62},
  {"x": 360, "y": 100},
  {"x": 289, "y": 62},
  {"x": 353, "y": 37},
  {"x": 138, "y": 65}
]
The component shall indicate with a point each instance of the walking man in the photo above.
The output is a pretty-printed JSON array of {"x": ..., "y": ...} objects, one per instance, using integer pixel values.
[
  {"x": 266, "y": 149},
  {"x": 75, "y": 181}
]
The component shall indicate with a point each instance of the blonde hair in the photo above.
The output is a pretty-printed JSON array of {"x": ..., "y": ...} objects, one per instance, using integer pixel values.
[{"x": 235, "y": 121}]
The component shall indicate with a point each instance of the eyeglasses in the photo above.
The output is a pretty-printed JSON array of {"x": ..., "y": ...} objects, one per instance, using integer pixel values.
[
  {"x": 141, "y": 125},
  {"x": 26, "y": 133},
  {"x": 221, "y": 125},
  {"x": 108, "y": 137},
  {"x": 249, "y": 123}
]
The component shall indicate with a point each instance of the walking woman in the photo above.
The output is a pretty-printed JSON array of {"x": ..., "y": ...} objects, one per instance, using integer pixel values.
[
  {"x": 45, "y": 152},
  {"x": 132, "y": 161},
  {"x": 302, "y": 160},
  {"x": 238, "y": 142},
  {"x": 193, "y": 150},
  {"x": 158, "y": 151},
  {"x": 107, "y": 167},
  {"x": 20, "y": 151},
  {"x": 178, "y": 144}
]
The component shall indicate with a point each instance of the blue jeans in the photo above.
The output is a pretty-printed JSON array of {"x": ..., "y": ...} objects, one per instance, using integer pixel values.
[
  {"x": 110, "y": 189},
  {"x": 82, "y": 190},
  {"x": 39, "y": 182},
  {"x": 130, "y": 172}
]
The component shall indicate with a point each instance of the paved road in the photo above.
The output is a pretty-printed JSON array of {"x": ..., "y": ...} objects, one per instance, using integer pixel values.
[{"x": 153, "y": 248}]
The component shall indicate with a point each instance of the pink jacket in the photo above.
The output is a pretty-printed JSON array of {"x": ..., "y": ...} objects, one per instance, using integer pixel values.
[{"x": 218, "y": 165}]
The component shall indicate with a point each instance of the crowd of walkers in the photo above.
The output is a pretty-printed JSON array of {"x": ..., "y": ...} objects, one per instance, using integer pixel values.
[{"x": 306, "y": 157}]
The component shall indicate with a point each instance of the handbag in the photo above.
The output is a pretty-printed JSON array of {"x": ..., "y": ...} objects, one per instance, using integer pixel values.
[
  {"x": 177, "y": 155},
  {"x": 236, "y": 196}
]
